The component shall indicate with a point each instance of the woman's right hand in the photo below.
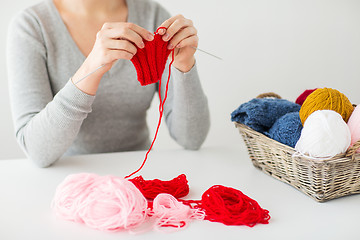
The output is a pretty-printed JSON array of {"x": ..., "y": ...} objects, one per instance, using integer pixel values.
[{"x": 116, "y": 40}]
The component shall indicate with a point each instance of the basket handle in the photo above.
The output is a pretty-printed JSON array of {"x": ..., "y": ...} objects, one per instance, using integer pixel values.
[
  {"x": 352, "y": 150},
  {"x": 269, "y": 94}
]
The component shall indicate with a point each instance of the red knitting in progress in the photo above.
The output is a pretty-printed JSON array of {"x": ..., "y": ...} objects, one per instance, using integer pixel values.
[{"x": 150, "y": 63}]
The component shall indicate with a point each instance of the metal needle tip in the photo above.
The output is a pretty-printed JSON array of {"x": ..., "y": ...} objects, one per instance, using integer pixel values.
[{"x": 207, "y": 53}]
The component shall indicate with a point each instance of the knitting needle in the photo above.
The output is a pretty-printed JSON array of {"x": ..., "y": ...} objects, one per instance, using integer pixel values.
[
  {"x": 105, "y": 64},
  {"x": 207, "y": 53},
  {"x": 89, "y": 74}
]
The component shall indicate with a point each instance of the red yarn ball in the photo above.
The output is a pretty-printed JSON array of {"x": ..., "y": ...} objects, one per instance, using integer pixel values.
[
  {"x": 177, "y": 187},
  {"x": 231, "y": 207},
  {"x": 301, "y": 99}
]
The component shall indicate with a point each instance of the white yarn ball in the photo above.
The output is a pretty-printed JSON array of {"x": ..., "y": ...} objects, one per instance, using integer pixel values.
[{"x": 325, "y": 134}]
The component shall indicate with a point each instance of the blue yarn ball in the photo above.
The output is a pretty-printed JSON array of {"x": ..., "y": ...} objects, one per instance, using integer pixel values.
[
  {"x": 287, "y": 129},
  {"x": 261, "y": 113}
]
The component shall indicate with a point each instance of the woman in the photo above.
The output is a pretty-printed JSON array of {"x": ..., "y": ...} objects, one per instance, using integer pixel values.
[{"x": 58, "y": 40}]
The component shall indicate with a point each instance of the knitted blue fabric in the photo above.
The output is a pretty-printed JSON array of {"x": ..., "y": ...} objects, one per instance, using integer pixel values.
[
  {"x": 287, "y": 129},
  {"x": 261, "y": 113}
]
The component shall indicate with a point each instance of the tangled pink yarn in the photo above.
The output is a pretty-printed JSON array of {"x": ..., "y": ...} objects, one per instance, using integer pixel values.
[
  {"x": 107, "y": 203},
  {"x": 169, "y": 212},
  {"x": 70, "y": 193}
]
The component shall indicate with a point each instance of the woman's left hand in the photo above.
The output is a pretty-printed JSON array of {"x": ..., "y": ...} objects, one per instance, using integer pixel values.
[{"x": 182, "y": 37}]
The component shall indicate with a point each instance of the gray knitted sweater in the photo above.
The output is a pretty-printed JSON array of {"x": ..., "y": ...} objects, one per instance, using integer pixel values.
[{"x": 52, "y": 117}]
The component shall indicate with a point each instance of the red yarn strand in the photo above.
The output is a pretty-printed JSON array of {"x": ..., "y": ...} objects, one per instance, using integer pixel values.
[
  {"x": 167, "y": 83},
  {"x": 161, "y": 109}
]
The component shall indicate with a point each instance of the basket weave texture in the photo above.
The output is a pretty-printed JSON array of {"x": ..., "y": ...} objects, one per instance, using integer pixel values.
[{"x": 321, "y": 179}]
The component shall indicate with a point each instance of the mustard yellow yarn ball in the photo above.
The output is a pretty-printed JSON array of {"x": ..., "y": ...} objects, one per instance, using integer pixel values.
[{"x": 326, "y": 99}]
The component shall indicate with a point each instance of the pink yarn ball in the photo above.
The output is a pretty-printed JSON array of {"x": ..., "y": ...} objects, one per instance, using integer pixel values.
[
  {"x": 70, "y": 193},
  {"x": 354, "y": 126},
  {"x": 107, "y": 203},
  {"x": 169, "y": 212}
]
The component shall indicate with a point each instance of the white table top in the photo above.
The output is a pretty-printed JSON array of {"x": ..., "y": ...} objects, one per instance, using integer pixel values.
[{"x": 27, "y": 191}]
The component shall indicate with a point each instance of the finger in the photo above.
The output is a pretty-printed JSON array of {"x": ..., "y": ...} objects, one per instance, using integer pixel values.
[
  {"x": 121, "y": 45},
  {"x": 166, "y": 24},
  {"x": 145, "y": 34},
  {"x": 181, "y": 35},
  {"x": 113, "y": 55},
  {"x": 175, "y": 27},
  {"x": 122, "y": 33},
  {"x": 191, "y": 41}
]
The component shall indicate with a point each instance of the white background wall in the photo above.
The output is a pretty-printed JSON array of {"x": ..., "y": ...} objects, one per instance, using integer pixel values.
[{"x": 284, "y": 46}]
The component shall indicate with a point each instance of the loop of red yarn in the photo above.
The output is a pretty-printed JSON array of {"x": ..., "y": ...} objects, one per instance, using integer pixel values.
[
  {"x": 230, "y": 207},
  {"x": 177, "y": 187}
]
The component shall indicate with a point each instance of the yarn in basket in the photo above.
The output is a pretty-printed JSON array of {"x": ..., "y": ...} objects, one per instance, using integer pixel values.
[
  {"x": 326, "y": 99},
  {"x": 301, "y": 99},
  {"x": 325, "y": 134},
  {"x": 261, "y": 113},
  {"x": 354, "y": 126},
  {"x": 287, "y": 129}
]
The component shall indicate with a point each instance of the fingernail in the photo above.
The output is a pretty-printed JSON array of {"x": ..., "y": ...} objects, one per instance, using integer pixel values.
[
  {"x": 161, "y": 31},
  {"x": 150, "y": 37},
  {"x": 170, "y": 46},
  {"x": 142, "y": 45},
  {"x": 166, "y": 37}
]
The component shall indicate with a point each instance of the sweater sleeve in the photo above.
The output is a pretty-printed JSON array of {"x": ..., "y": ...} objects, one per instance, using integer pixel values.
[
  {"x": 186, "y": 109},
  {"x": 45, "y": 125}
]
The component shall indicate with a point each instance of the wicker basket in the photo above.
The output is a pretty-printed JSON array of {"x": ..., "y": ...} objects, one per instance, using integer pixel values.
[{"x": 321, "y": 179}]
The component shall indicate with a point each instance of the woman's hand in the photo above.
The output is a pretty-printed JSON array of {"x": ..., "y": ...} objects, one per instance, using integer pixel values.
[
  {"x": 182, "y": 35},
  {"x": 117, "y": 40}
]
